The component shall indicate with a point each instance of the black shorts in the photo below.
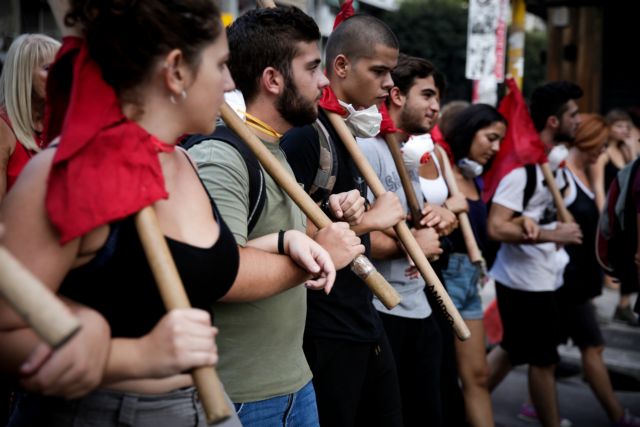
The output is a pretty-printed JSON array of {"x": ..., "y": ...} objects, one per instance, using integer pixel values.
[
  {"x": 579, "y": 323},
  {"x": 530, "y": 323}
]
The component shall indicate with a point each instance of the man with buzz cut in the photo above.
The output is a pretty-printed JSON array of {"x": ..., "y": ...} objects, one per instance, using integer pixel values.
[
  {"x": 345, "y": 343},
  {"x": 414, "y": 334},
  {"x": 275, "y": 62}
]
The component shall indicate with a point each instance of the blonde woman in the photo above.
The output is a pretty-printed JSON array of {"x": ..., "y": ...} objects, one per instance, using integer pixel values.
[{"x": 22, "y": 91}]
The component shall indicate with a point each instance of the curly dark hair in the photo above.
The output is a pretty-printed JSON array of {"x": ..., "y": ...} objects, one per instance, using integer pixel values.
[{"x": 551, "y": 99}]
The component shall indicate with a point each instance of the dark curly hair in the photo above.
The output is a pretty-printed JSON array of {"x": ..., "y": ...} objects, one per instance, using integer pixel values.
[
  {"x": 264, "y": 38},
  {"x": 125, "y": 37}
]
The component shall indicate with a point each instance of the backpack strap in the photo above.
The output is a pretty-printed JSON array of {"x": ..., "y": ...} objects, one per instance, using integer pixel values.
[
  {"x": 530, "y": 186},
  {"x": 257, "y": 183},
  {"x": 325, "y": 178}
]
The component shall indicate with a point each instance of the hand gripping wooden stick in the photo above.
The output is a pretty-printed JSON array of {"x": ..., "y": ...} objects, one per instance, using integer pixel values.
[
  {"x": 46, "y": 314},
  {"x": 360, "y": 265},
  {"x": 563, "y": 213},
  {"x": 404, "y": 234},
  {"x": 393, "y": 143},
  {"x": 174, "y": 296},
  {"x": 475, "y": 256}
]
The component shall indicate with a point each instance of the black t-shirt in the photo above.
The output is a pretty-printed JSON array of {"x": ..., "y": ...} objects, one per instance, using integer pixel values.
[{"x": 347, "y": 312}]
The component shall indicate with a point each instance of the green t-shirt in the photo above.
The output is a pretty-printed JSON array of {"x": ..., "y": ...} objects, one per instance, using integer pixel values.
[{"x": 260, "y": 343}]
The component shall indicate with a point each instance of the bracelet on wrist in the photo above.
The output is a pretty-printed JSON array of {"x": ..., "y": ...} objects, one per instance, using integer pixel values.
[{"x": 281, "y": 242}]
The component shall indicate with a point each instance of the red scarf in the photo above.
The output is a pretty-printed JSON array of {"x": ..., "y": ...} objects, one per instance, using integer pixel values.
[{"x": 106, "y": 167}]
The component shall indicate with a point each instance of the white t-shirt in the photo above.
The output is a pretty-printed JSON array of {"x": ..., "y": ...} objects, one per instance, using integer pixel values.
[{"x": 528, "y": 267}]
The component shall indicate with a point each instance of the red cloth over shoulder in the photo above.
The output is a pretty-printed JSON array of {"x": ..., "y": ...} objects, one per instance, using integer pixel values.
[{"x": 106, "y": 167}]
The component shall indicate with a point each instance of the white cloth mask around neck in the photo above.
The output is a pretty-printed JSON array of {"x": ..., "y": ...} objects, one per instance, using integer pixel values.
[
  {"x": 417, "y": 150},
  {"x": 363, "y": 123}
]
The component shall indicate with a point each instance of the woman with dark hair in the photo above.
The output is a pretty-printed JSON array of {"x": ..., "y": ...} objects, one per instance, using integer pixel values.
[
  {"x": 474, "y": 138},
  {"x": 146, "y": 73}
]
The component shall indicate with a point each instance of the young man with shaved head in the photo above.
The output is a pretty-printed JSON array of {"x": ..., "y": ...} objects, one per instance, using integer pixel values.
[{"x": 346, "y": 346}]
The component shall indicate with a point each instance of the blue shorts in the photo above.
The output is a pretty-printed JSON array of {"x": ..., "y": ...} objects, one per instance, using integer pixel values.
[{"x": 461, "y": 279}]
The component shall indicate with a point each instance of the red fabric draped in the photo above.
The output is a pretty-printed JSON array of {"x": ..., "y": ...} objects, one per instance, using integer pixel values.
[
  {"x": 387, "y": 125},
  {"x": 329, "y": 102},
  {"x": 106, "y": 167},
  {"x": 521, "y": 144},
  {"x": 346, "y": 11}
]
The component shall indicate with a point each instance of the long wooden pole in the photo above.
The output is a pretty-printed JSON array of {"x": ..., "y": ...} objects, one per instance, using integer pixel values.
[
  {"x": 46, "y": 314},
  {"x": 393, "y": 142},
  {"x": 402, "y": 230},
  {"x": 563, "y": 213},
  {"x": 475, "y": 256},
  {"x": 360, "y": 265},
  {"x": 174, "y": 296}
]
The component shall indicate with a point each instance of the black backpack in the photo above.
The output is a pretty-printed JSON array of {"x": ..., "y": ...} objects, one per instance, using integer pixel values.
[{"x": 257, "y": 184}]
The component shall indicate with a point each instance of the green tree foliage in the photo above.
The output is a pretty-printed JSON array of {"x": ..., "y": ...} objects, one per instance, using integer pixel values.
[
  {"x": 435, "y": 30},
  {"x": 535, "y": 45}
]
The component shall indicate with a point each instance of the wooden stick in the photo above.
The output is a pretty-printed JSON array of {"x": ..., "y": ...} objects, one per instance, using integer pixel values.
[
  {"x": 360, "y": 265},
  {"x": 393, "y": 142},
  {"x": 404, "y": 234},
  {"x": 475, "y": 256},
  {"x": 563, "y": 213},
  {"x": 49, "y": 317},
  {"x": 174, "y": 296}
]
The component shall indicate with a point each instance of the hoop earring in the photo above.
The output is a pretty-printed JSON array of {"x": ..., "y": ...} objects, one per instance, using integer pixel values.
[
  {"x": 183, "y": 94},
  {"x": 172, "y": 99}
]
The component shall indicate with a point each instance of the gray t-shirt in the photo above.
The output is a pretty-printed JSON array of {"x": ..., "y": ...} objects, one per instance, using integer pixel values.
[
  {"x": 414, "y": 301},
  {"x": 260, "y": 342}
]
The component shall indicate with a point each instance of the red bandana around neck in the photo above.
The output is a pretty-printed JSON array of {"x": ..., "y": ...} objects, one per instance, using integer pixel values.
[{"x": 106, "y": 166}]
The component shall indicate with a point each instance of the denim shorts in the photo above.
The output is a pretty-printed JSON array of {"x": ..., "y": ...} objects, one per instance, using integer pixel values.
[
  {"x": 297, "y": 409},
  {"x": 461, "y": 279}
]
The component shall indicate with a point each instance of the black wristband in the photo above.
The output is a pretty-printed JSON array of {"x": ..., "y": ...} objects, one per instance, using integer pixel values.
[{"x": 281, "y": 242}]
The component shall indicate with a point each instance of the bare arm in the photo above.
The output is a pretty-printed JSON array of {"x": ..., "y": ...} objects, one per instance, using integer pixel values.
[
  {"x": 386, "y": 211},
  {"x": 596, "y": 174},
  {"x": 255, "y": 282},
  {"x": 503, "y": 227}
]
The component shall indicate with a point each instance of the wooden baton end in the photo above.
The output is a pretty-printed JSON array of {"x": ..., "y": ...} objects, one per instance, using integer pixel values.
[
  {"x": 45, "y": 313},
  {"x": 211, "y": 394},
  {"x": 383, "y": 290},
  {"x": 365, "y": 270}
]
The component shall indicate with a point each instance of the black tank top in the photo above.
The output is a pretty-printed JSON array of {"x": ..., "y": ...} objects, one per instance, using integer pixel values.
[
  {"x": 119, "y": 284},
  {"x": 582, "y": 276}
]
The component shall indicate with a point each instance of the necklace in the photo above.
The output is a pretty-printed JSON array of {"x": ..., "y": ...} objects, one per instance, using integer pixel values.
[{"x": 258, "y": 124}]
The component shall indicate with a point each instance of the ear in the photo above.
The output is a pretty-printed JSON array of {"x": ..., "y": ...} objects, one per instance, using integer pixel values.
[
  {"x": 341, "y": 66},
  {"x": 272, "y": 81},
  {"x": 176, "y": 73},
  {"x": 396, "y": 97},
  {"x": 553, "y": 122}
]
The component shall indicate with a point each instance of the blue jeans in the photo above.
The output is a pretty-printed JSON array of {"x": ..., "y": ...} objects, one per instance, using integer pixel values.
[
  {"x": 461, "y": 278},
  {"x": 291, "y": 410}
]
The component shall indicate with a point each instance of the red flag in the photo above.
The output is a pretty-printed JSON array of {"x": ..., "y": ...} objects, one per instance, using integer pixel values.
[
  {"x": 346, "y": 11},
  {"x": 329, "y": 102},
  {"x": 521, "y": 145},
  {"x": 106, "y": 167}
]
